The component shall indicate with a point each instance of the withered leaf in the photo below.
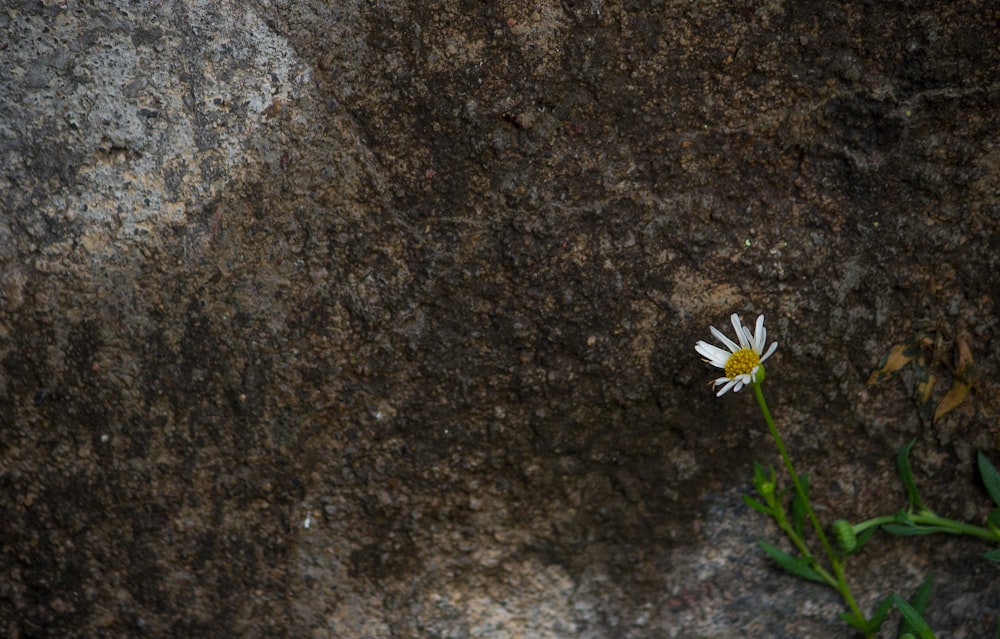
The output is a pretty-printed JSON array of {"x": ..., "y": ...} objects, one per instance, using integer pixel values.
[
  {"x": 964, "y": 375},
  {"x": 924, "y": 388},
  {"x": 952, "y": 399},
  {"x": 964, "y": 366},
  {"x": 898, "y": 357}
]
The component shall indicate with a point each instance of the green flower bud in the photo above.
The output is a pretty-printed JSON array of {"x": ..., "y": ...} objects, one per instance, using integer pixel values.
[
  {"x": 767, "y": 489},
  {"x": 844, "y": 532}
]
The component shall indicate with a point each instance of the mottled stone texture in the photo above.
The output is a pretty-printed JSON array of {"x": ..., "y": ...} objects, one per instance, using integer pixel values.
[{"x": 375, "y": 318}]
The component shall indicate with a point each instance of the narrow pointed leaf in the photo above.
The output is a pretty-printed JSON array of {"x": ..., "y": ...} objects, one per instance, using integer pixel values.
[
  {"x": 994, "y": 518},
  {"x": 758, "y": 476},
  {"x": 795, "y": 565},
  {"x": 919, "y": 602},
  {"x": 920, "y": 598},
  {"x": 991, "y": 478},
  {"x": 863, "y": 539},
  {"x": 993, "y": 555},
  {"x": 906, "y": 474},
  {"x": 756, "y": 505},
  {"x": 912, "y": 531},
  {"x": 881, "y": 613},
  {"x": 914, "y": 618}
]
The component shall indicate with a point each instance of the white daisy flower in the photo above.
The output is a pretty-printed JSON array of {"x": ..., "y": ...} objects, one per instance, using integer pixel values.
[{"x": 743, "y": 361}]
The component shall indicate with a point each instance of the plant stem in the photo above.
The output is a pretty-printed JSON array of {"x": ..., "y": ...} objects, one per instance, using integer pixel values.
[
  {"x": 782, "y": 521},
  {"x": 874, "y": 522},
  {"x": 927, "y": 518},
  {"x": 954, "y": 527},
  {"x": 836, "y": 562}
]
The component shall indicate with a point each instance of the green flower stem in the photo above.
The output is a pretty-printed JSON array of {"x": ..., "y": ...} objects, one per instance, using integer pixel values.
[
  {"x": 955, "y": 527},
  {"x": 781, "y": 519},
  {"x": 930, "y": 519},
  {"x": 791, "y": 469},
  {"x": 836, "y": 561},
  {"x": 874, "y": 522}
]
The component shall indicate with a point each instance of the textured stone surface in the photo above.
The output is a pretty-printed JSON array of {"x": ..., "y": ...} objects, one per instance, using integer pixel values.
[{"x": 376, "y": 319}]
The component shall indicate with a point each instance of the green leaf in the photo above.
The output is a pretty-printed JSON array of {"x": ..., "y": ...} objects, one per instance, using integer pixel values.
[
  {"x": 993, "y": 555},
  {"x": 795, "y": 565},
  {"x": 919, "y": 602},
  {"x": 863, "y": 539},
  {"x": 904, "y": 518},
  {"x": 881, "y": 613},
  {"x": 907, "y": 527},
  {"x": 923, "y": 595},
  {"x": 756, "y": 505},
  {"x": 990, "y": 477},
  {"x": 852, "y": 620},
  {"x": 914, "y": 618},
  {"x": 799, "y": 507},
  {"x": 906, "y": 474},
  {"x": 911, "y": 530},
  {"x": 758, "y": 475},
  {"x": 993, "y": 519}
]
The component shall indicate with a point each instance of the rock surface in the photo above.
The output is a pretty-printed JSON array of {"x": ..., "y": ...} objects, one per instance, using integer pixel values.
[{"x": 376, "y": 319}]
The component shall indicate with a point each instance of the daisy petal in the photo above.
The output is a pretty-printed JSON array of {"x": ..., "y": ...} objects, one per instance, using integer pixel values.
[
  {"x": 760, "y": 332},
  {"x": 719, "y": 335},
  {"x": 725, "y": 389},
  {"x": 770, "y": 351},
  {"x": 713, "y": 354},
  {"x": 738, "y": 325}
]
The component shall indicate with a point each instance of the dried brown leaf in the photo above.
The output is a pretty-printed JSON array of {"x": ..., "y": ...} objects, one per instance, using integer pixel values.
[
  {"x": 964, "y": 366},
  {"x": 924, "y": 388},
  {"x": 964, "y": 379},
  {"x": 898, "y": 357},
  {"x": 952, "y": 399}
]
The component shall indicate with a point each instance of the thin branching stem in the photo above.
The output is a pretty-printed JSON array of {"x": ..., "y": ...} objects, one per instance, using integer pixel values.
[{"x": 836, "y": 561}]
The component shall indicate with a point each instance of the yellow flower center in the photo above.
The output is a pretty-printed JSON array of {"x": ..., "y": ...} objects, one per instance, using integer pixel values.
[{"x": 741, "y": 363}]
